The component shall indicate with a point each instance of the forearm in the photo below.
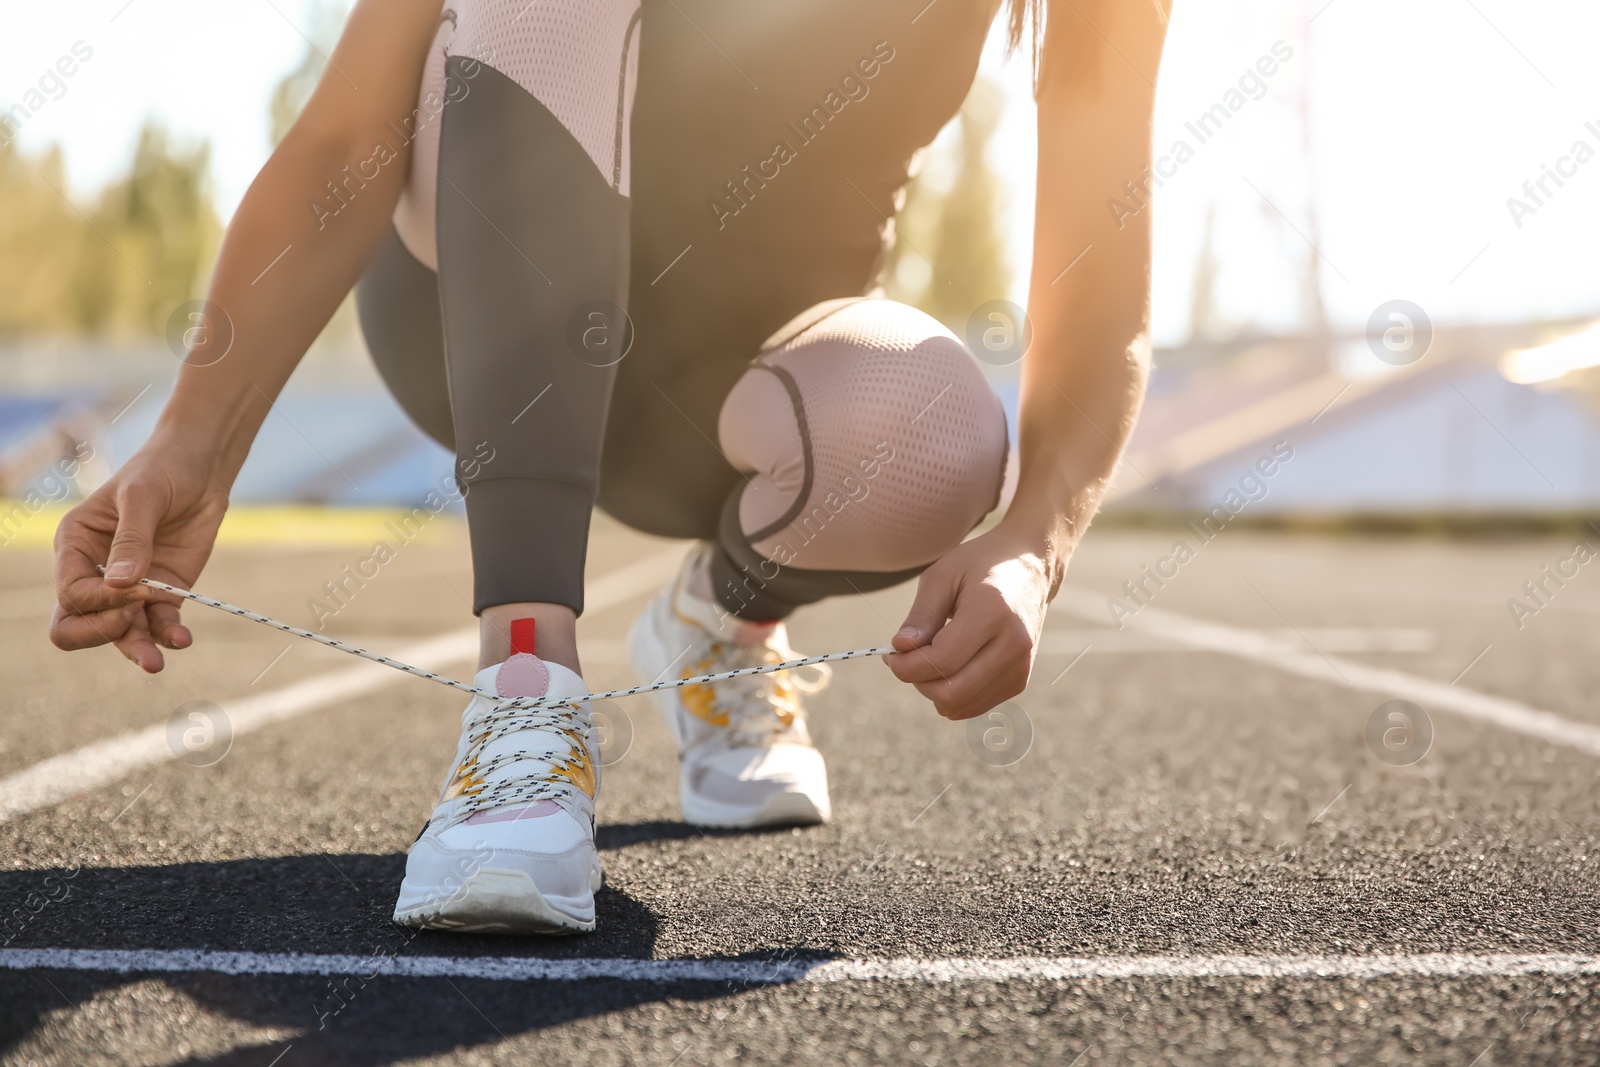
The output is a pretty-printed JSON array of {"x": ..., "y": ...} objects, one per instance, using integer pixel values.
[
  {"x": 971, "y": 636},
  {"x": 1076, "y": 416},
  {"x": 280, "y": 276},
  {"x": 1083, "y": 381}
]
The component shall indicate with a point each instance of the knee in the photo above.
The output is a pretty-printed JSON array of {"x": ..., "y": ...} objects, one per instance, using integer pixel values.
[{"x": 892, "y": 447}]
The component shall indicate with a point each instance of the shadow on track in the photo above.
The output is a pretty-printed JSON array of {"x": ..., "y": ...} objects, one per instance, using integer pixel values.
[{"x": 321, "y": 904}]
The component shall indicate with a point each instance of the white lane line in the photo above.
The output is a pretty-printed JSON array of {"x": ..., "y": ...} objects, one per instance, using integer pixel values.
[
  {"x": 1255, "y": 646},
  {"x": 784, "y": 971},
  {"x": 94, "y": 765}
]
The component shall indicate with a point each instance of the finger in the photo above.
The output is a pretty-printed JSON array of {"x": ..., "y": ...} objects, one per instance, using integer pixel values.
[
  {"x": 140, "y": 648},
  {"x": 82, "y": 541},
  {"x": 138, "y": 516},
  {"x": 950, "y": 651},
  {"x": 165, "y": 627},
  {"x": 70, "y": 631},
  {"x": 87, "y": 596},
  {"x": 996, "y": 674},
  {"x": 980, "y": 615},
  {"x": 936, "y": 596}
]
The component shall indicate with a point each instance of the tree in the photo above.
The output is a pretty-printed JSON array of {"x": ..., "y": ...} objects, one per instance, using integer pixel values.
[
  {"x": 117, "y": 267},
  {"x": 153, "y": 236},
  {"x": 1206, "y": 323},
  {"x": 949, "y": 254},
  {"x": 38, "y": 243},
  {"x": 289, "y": 97}
]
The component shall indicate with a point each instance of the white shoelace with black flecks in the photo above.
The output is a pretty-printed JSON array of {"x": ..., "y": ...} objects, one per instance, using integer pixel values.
[
  {"x": 528, "y": 703},
  {"x": 560, "y": 784}
]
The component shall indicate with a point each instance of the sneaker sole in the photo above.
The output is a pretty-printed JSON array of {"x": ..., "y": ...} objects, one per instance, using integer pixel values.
[
  {"x": 492, "y": 902},
  {"x": 784, "y": 809}
]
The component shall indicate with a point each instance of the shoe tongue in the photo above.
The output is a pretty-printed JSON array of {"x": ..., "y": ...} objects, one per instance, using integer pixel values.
[{"x": 522, "y": 675}]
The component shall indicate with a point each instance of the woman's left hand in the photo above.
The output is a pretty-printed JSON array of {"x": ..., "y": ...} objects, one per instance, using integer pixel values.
[{"x": 969, "y": 640}]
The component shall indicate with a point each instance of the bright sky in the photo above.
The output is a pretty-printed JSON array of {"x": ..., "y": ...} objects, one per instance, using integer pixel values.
[{"x": 1425, "y": 117}]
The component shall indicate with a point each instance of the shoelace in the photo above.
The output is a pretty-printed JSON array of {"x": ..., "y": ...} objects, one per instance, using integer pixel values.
[
  {"x": 563, "y": 784},
  {"x": 752, "y": 701},
  {"x": 520, "y": 702}
]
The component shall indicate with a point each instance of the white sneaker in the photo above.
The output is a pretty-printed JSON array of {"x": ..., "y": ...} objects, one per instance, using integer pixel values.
[
  {"x": 510, "y": 846},
  {"x": 747, "y": 758}
]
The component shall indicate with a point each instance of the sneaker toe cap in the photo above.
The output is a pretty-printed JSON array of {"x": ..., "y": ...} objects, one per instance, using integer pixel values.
[
  {"x": 561, "y": 861},
  {"x": 754, "y": 775}
]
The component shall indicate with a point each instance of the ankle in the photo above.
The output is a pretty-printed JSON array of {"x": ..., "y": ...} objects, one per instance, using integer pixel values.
[
  {"x": 697, "y": 579},
  {"x": 555, "y": 627},
  {"x": 711, "y": 617},
  {"x": 697, "y": 600}
]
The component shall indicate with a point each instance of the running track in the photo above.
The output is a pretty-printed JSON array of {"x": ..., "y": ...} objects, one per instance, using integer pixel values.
[{"x": 1198, "y": 858}]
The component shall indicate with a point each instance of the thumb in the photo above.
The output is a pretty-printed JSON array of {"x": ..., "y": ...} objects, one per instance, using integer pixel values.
[
  {"x": 936, "y": 593},
  {"x": 138, "y": 516}
]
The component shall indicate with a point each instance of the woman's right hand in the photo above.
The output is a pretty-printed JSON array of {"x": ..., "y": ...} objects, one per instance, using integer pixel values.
[{"x": 156, "y": 517}]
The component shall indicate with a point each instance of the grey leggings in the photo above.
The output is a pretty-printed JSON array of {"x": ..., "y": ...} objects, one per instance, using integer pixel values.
[{"x": 577, "y": 157}]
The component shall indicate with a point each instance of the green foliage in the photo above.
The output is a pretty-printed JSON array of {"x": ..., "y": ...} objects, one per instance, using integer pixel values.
[
  {"x": 38, "y": 244},
  {"x": 326, "y": 20},
  {"x": 161, "y": 221},
  {"x": 949, "y": 253},
  {"x": 116, "y": 267}
]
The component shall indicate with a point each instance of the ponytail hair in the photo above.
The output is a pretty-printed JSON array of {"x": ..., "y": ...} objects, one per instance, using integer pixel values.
[{"x": 1026, "y": 23}]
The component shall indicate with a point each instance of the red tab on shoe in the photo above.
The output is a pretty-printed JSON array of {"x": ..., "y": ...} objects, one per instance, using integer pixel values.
[
  {"x": 523, "y": 674},
  {"x": 522, "y": 638}
]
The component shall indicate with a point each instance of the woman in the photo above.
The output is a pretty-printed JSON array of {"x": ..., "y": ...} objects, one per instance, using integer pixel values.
[{"x": 503, "y": 178}]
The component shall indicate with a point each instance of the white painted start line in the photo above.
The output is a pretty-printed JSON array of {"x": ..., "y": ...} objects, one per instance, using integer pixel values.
[
  {"x": 1433, "y": 695},
  {"x": 55, "y": 779},
  {"x": 789, "y": 971}
]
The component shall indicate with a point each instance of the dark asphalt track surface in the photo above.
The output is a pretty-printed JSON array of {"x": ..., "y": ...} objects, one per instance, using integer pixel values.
[{"x": 1172, "y": 803}]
